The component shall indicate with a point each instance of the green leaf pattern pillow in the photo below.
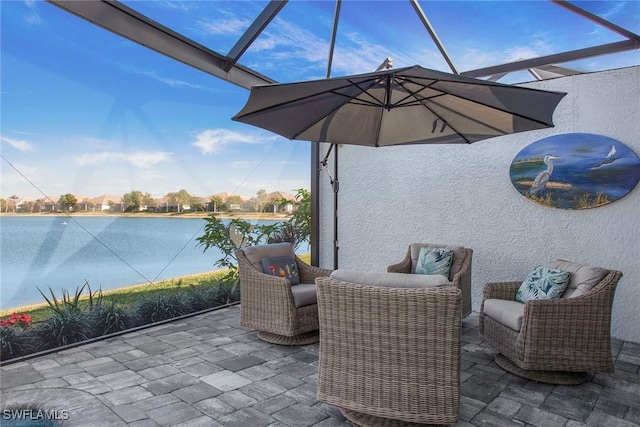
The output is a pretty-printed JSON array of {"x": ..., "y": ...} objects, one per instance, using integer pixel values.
[
  {"x": 434, "y": 261},
  {"x": 543, "y": 283}
]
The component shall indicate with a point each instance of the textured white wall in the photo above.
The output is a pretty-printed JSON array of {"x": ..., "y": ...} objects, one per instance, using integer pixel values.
[{"x": 393, "y": 196}]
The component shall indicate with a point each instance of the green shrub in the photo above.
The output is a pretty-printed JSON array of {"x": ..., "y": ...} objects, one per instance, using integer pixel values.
[
  {"x": 109, "y": 317},
  {"x": 64, "y": 327},
  {"x": 10, "y": 343},
  {"x": 160, "y": 307},
  {"x": 83, "y": 314}
]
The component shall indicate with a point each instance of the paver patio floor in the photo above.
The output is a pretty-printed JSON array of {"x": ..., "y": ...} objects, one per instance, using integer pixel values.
[{"x": 207, "y": 370}]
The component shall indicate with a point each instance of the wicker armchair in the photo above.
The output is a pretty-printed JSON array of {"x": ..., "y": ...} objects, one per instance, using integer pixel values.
[
  {"x": 390, "y": 356},
  {"x": 561, "y": 340},
  {"x": 270, "y": 304},
  {"x": 459, "y": 275}
]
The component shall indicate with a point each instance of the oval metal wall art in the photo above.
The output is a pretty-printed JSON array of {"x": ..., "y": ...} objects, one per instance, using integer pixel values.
[{"x": 575, "y": 171}]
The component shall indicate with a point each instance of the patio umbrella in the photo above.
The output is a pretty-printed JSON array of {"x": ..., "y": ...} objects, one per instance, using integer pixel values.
[{"x": 411, "y": 105}]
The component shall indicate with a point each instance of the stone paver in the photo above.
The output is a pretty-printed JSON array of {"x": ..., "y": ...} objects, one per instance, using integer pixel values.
[{"x": 207, "y": 370}]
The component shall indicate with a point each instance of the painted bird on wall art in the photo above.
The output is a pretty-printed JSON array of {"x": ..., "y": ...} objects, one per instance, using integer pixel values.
[
  {"x": 611, "y": 157},
  {"x": 543, "y": 177}
]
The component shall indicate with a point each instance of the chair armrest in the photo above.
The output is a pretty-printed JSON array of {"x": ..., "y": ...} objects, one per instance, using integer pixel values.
[
  {"x": 403, "y": 266},
  {"x": 309, "y": 273},
  {"x": 501, "y": 290},
  {"x": 587, "y": 317},
  {"x": 253, "y": 283},
  {"x": 563, "y": 327}
]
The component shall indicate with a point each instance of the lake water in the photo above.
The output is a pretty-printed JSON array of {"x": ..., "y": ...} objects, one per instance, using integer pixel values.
[{"x": 108, "y": 252}]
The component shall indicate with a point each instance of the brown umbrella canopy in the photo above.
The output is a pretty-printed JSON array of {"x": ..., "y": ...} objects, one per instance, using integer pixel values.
[{"x": 412, "y": 105}]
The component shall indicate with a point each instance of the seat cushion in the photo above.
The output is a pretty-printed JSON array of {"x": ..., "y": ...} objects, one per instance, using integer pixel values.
[
  {"x": 390, "y": 280},
  {"x": 459, "y": 254},
  {"x": 434, "y": 261},
  {"x": 583, "y": 277},
  {"x": 543, "y": 283},
  {"x": 506, "y": 312},
  {"x": 281, "y": 266},
  {"x": 255, "y": 253},
  {"x": 304, "y": 294}
]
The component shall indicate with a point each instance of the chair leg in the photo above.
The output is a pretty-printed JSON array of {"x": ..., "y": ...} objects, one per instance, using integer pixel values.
[
  {"x": 311, "y": 337},
  {"x": 548, "y": 377},
  {"x": 361, "y": 419}
]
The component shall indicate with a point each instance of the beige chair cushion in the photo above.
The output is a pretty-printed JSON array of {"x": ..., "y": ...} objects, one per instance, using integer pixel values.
[
  {"x": 456, "y": 264},
  {"x": 255, "y": 253},
  {"x": 390, "y": 280},
  {"x": 583, "y": 277},
  {"x": 509, "y": 313},
  {"x": 304, "y": 294}
]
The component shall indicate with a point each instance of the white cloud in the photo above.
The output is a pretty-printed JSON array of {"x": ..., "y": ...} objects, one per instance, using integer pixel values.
[
  {"x": 287, "y": 42},
  {"x": 139, "y": 159},
  {"x": 18, "y": 144},
  {"x": 170, "y": 81},
  {"x": 616, "y": 9},
  {"x": 33, "y": 17},
  {"x": 212, "y": 140},
  {"x": 225, "y": 26},
  {"x": 243, "y": 164}
]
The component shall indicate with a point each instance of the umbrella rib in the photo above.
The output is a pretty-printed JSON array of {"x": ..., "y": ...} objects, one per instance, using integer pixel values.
[
  {"x": 349, "y": 98},
  {"x": 422, "y": 102},
  {"x": 433, "y": 99},
  {"x": 442, "y": 93},
  {"x": 302, "y": 98}
]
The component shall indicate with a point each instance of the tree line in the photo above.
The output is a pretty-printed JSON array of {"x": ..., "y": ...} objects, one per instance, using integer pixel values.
[{"x": 137, "y": 201}]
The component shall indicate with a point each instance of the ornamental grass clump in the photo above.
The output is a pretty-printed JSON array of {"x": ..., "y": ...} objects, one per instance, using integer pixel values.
[
  {"x": 161, "y": 307},
  {"x": 70, "y": 322},
  {"x": 109, "y": 317},
  {"x": 64, "y": 328}
]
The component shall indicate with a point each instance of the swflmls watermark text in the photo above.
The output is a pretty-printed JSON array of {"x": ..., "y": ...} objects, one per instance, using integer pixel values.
[{"x": 35, "y": 414}]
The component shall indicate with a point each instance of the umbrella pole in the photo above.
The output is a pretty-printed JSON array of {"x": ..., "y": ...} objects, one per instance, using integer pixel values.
[
  {"x": 336, "y": 188},
  {"x": 334, "y": 182},
  {"x": 315, "y": 204}
]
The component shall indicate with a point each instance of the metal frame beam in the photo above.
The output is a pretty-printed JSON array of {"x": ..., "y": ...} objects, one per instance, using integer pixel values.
[
  {"x": 598, "y": 20},
  {"x": 254, "y": 30},
  {"x": 128, "y": 23},
  {"x": 434, "y": 35},
  {"x": 557, "y": 58}
]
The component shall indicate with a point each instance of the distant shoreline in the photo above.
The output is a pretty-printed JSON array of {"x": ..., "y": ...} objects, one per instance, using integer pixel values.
[{"x": 196, "y": 215}]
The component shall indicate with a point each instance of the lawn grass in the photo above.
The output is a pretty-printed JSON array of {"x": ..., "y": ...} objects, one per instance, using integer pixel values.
[{"x": 129, "y": 295}]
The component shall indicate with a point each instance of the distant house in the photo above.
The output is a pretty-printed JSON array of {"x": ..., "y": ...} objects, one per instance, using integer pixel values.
[
  {"x": 85, "y": 204},
  {"x": 50, "y": 204},
  {"x": 107, "y": 203},
  {"x": 280, "y": 195}
]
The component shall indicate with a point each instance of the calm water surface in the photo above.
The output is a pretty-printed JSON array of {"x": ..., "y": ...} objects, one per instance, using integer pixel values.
[{"x": 107, "y": 252}]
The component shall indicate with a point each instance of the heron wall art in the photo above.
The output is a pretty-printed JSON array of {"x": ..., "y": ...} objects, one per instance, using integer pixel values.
[{"x": 575, "y": 171}]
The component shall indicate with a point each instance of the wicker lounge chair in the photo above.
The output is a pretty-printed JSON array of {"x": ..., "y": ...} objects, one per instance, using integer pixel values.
[
  {"x": 390, "y": 356},
  {"x": 282, "y": 313},
  {"x": 560, "y": 340},
  {"x": 459, "y": 275}
]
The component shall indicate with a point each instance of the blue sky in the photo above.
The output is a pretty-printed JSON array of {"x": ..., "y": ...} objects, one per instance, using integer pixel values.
[{"x": 87, "y": 112}]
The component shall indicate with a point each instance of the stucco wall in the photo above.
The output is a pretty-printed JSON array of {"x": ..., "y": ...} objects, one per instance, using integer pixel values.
[{"x": 390, "y": 197}]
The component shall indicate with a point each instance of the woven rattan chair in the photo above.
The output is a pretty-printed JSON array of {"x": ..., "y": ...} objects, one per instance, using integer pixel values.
[
  {"x": 459, "y": 275},
  {"x": 269, "y": 303},
  {"x": 560, "y": 340},
  {"x": 390, "y": 356}
]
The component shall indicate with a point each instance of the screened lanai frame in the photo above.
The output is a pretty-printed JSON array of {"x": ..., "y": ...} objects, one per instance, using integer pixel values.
[{"x": 137, "y": 27}]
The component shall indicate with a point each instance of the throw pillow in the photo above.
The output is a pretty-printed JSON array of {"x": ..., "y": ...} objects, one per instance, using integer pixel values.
[
  {"x": 543, "y": 283},
  {"x": 281, "y": 266},
  {"x": 434, "y": 261}
]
